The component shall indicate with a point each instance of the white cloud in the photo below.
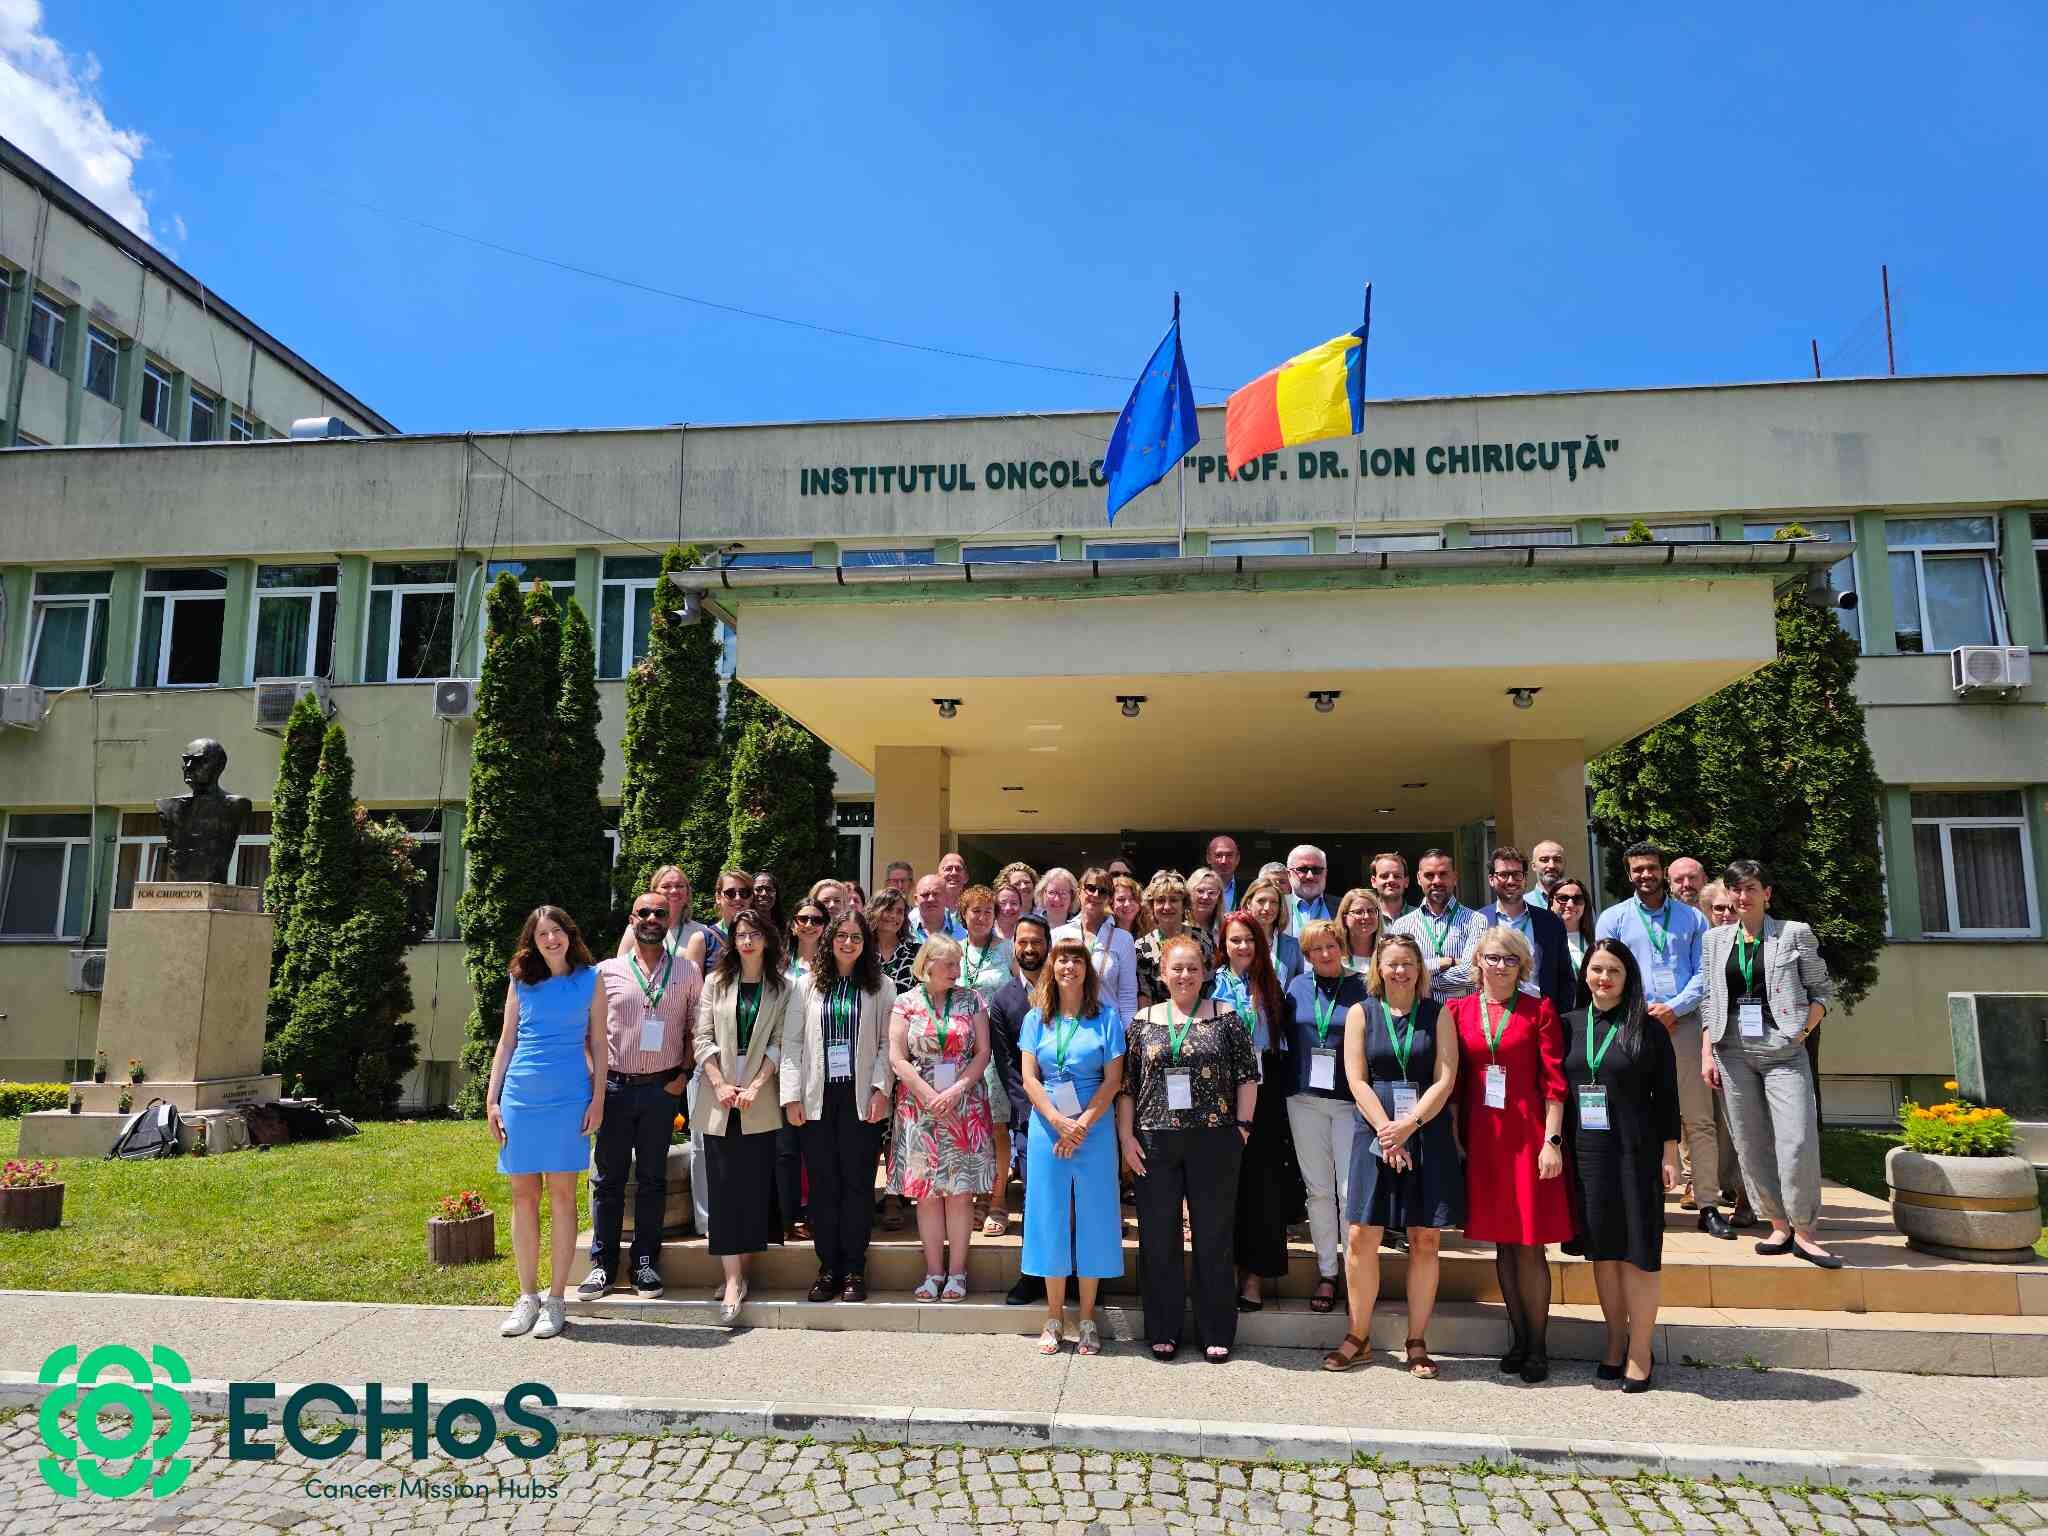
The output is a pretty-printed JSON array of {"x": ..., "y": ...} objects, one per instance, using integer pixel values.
[{"x": 48, "y": 108}]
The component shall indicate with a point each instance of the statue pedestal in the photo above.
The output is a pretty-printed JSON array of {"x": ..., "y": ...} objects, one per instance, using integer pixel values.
[{"x": 188, "y": 972}]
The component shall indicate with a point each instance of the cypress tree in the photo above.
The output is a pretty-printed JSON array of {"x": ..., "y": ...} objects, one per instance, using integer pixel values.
[
  {"x": 1776, "y": 767},
  {"x": 672, "y": 792},
  {"x": 585, "y": 869},
  {"x": 326, "y": 881},
  {"x": 776, "y": 824},
  {"x": 511, "y": 802},
  {"x": 296, "y": 765}
]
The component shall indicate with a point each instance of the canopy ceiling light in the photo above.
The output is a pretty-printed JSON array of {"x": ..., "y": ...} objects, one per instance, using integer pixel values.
[
  {"x": 1525, "y": 698},
  {"x": 1132, "y": 703},
  {"x": 948, "y": 708},
  {"x": 1325, "y": 699}
]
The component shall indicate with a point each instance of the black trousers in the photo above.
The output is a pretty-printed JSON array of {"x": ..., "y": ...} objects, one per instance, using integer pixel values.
[
  {"x": 839, "y": 1151},
  {"x": 789, "y": 1182},
  {"x": 1199, "y": 1167},
  {"x": 634, "y": 1138}
]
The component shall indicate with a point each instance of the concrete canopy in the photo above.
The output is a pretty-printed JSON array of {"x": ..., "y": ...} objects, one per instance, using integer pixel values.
[{"x": 1424, "y": 666}]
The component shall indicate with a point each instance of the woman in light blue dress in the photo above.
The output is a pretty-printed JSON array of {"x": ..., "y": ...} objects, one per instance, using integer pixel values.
[
  {"x": 1071, "y": 1048},
  {"x": 546, "y": 1099}
]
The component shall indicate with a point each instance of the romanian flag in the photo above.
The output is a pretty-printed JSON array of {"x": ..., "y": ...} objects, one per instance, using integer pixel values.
[{"x": 1315, "y": 395}]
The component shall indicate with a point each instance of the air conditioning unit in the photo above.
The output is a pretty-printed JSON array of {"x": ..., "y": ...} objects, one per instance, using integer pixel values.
[
  {"x": 454, "y": 698},
  {"x": 23, "y": 704},
  {"x": 88, "y": 972},
  {"x": 1989, "y": 668},
  {"x": 275, "y": 701}
]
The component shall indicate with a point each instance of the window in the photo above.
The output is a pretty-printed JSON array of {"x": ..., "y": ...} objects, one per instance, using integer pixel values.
[
  {"x": 560, "y": 575},
  {"x": 1131, "y": 549},
  {"x": 425, "y": 828},
  {"x": 45, "y": 875},
  {"x": 183, "y": 613},
  {"x": 241, "y": 429},
  {"x": 139, "y": 854},
  {"x": 1944, "y": 590},
  {"x": 1501, "y": 538},
  {"x": 625, "y": 607},
  {"x": 202, "y": 419},
  {"x": 1665, "y": 533},
  {"x": 728, "y": 653},
  {"x": 853, "y": 557},
  {"x": 1388, "y": 543},
  {"x": 761, "y": 557},
  {"x": 102, "y": 362},
  {"x": 46, "y": 333},
  {"x": 1297, "y": 544},
  {"x": 294, "y": 621},
  {"x": 156, "y": 397},
  {"x": 1975, "y": 864},
  {"x": 980, "y": 554},
  {"x": 412, "y": 621},
  {"x": 67, "y": 645},
  {"x": 2040, "y": 526},
  {"x": 6, "y": 302},
  {"x": 1840, "y": 577}
]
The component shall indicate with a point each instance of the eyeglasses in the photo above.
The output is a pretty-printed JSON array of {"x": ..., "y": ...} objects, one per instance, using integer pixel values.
[
  {"x": 1309, "y": 869},
  {"x": 1498, "y": 962},
  {"x": 1096, "y": 890},
  {"x": 1510, "y": 874},
  {"x": 1557, "y": 900},
  {"x": 649, "y": 912},
  {"x": 807, "y": 920},
  {"x": 734, "y": 893}
]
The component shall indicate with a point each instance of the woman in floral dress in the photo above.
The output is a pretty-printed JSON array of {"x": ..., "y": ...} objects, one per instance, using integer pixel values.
[{"x": 942, "y": 1146}]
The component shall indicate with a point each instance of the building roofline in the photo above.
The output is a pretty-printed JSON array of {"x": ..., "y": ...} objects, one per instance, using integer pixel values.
[{"x": 87, "y": 212}]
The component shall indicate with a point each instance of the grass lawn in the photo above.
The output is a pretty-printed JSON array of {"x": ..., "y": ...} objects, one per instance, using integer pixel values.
[
  {"x": 313, "y": 1221},
  {"x": 1856, "y": 1158}
]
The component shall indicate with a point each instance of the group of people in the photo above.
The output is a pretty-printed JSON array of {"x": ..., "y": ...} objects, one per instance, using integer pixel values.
[{"x": 1244, "y": 1052}]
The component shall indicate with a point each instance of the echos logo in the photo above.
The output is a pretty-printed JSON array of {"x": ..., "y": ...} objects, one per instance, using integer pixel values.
[{"x": 152, "y": 1456}]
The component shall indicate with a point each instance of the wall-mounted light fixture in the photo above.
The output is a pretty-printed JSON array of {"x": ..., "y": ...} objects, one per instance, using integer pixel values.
[
  {"x": 1325, "y": 699},
  {"x": 1132, "y": 703},
  {"x": 1525, "y": 698},
  {"x": 948, "y": 708}
]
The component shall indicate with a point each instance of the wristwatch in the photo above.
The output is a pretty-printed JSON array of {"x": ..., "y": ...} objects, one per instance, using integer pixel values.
[
  {"x": 1245, "y": 1126},
  {"x": 1557, "y": 1141}
]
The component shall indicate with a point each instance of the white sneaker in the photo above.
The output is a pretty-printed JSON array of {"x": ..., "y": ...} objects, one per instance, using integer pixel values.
[
  {"x": 525, "y": 1312},
  {"x": 551, "y": 1320}
]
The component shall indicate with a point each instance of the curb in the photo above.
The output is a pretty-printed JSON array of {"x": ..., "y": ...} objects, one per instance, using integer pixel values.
[{"x": 1207, "y": 1439}]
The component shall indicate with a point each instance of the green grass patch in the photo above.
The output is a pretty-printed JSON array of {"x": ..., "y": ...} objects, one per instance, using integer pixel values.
[
  {"x": 1856, "y": 1158},
  {"x": 313, "y": 1221}
]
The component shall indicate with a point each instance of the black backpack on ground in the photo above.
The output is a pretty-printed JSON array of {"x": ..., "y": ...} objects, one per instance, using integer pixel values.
[{"x": 152, "y": 1131}]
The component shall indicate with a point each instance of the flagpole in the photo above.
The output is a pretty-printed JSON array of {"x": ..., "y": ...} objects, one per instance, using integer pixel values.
[
  {"x": 1358, "y": 438},
  {"x": 1183, "y": 549}
]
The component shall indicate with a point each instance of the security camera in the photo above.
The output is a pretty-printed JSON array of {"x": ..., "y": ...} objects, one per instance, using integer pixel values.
[{"x": 692, "y": 611}]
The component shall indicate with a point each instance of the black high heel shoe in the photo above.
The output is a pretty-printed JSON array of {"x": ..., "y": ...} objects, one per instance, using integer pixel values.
[
  {"x": 1536, "y": 1368},
  {"x": 1630, "y": 1384},
  {"x": 1608, "y": 1372},
  {"x": 1511, "y": 1362}
]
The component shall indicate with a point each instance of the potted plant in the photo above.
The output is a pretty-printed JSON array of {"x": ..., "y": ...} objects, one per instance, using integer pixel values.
[
  {"x": 127, "y": 1100},
  {"x": 135, "y": 1071},
  {"x": 99, "y": 1067},
  {"x": 1958, "y": 1189},
  {"x": 31, "y": 1196},
  {"x": 77, "y": 1104},
  {"x": 462, "y": 1230}
]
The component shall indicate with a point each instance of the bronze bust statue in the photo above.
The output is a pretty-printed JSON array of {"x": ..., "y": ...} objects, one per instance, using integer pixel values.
[{"x": 201, "y": 826}]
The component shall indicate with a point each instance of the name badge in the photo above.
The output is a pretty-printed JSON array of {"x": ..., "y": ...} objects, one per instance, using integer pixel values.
[
  {"x": 1180, "y": 1090},
  {"x": 945, "y": 1074},
  {"x": 1593, "y": 1109},
  {"x": 1322, "y": 1069},
  {"x": 1749, "y": 1018},
  {"x": 1496, "y": 1087},
  {"x": 650, "y": 1031},
  {"x": 1066, "y": 1100},
  {"x": 839, "y": 1061},
  {"x": 1663, "y": 980},
  {"x": 1405, "y": 1097}
]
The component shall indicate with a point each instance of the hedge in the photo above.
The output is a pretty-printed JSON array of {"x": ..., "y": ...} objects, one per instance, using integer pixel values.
[{"x": 18, "y": 1099}]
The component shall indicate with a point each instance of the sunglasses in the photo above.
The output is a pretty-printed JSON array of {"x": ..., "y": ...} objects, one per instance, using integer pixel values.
[
  {"x": 1567, "y": 901},
  {"x": 734, "y": 893},
  {"x": 808, "y": 920},
  {"x": 1096, "y": 890},
  {"x": 1308, "y": 869},
  {"x": 649, "y": 912}
]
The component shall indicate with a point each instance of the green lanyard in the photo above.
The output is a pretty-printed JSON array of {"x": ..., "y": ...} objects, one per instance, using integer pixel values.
[
  {"x": 649, "y": 989},
  {"x": 1175, "y": 1038},
  {"x": 1594, "y": 1058},
  {"x": 749, "y": 1011},
  {"x": 1745, "y": 958},
  {"x": 1486, "y": 1025},
  {"x": 1402, "y": 1043},
  {"x": 1326, "y": 1014},
  {"x": 945, "y": 1016},
  {"x": 1063, "y": 1032},
  {"x": 1438, "y": 933},
  {"x": 842, "y": 1011},
  {"x": 975, "y": 967},
  {"x": 1658, "y": 933}
]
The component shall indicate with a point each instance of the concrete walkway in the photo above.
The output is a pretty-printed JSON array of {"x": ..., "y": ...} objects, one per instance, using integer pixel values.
[{"x": 1826, "y": 1413}]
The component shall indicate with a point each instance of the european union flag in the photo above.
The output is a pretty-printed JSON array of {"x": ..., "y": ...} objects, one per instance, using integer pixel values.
[{"x": 1157, "y": 425}]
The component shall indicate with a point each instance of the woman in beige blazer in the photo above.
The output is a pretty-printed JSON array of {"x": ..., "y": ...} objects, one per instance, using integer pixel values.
[
  {"x": 749, "y": 1020},
  {"x": 840, "y": 1074}
]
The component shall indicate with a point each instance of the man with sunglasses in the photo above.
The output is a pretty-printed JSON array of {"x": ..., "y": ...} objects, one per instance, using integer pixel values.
[
  {"x": 1112, "y": 951},
  {"x": 650, "y": 1001},
  {"x": 1308, "y": 871}
]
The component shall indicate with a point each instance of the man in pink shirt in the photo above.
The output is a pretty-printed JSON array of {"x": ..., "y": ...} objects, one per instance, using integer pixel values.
[{"x": 650, "y": 996}]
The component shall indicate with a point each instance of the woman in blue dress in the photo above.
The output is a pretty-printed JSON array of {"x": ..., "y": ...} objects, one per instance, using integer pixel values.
[
  {"x": 1071, "y": 1048},
  {"x": 545, "y": 1102}
]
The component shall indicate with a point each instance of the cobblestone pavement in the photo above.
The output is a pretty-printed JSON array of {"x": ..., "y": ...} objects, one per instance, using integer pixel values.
[{"x": 698, "y": 1483}]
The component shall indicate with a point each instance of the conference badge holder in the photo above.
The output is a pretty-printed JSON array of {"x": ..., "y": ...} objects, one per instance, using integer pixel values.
[
  {"x": 1749, "y": 1018},
  {"x": 1322, "y": 1069},
  {"x": 1180, "y": 1090},
  {"x": 1593, "y": 1109},
  {"x": 1066, "y": 1100},
  {"x": 1496, "y": 1086},
  {"x": 839, "y": 1061}
]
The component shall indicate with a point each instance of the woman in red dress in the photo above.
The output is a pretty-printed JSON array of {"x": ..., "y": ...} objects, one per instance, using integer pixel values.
[{"x": 1511, "y": 1117}]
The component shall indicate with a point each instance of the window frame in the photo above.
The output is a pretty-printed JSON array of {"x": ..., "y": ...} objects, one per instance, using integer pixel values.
[
  {"x": 74, "y": 846},
  {"x": 1240, "y": 545},
  {"x": 1762, "y": 531},
  {"x": 436, "y": 834},
  {"x": 326, "y": 599},
  {"x": 1666, "y": 533},
  {"x": 488, "y": 573},
  {"x": 769, "y": 559},
  {"x": 1945, "y": 826},
  {"x": 149, "y": 845},
  {"x": 99, "y": 609},
  {"x": 1420, "y": 541},
  {"x": 197, "y": 400},
  {"x": 399, "y": 592},
  {"x": 634, "y": 591},
  {"x": 243, "y": 428},
  {"x": 887, "y": 557},
  {"x": 1982, "y": 551},
  {"x": 985, "y": 554},
  {"x": 171, "y": 598},
  {"x": 104, "y": 341},
  {"x": 1130, "y": 549},
  {"x": 56, "y": 337},
  {"x": 1547, "y": 536},
  {"x": 155, "y": 373}
]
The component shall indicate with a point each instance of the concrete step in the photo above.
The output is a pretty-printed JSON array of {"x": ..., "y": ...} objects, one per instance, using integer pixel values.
[{"x": 1465, "y": 1335}]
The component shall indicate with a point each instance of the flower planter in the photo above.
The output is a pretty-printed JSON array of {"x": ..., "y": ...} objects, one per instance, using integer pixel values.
[
  {"x": 33, "y": 1209},
  {"x": 471, "y": 1240},
  {"x": 1983, "y": 1209}
]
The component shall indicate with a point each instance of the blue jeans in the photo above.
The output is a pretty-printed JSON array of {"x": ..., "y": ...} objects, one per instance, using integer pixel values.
[{"x": 633, "y": 1139}]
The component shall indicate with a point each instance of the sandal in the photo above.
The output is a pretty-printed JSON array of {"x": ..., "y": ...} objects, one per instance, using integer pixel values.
[
  {"x": 1091, "y": 1339},
  {"x": 1165, "y": 1349},
  {"x": 1049, "y": 1338},
  {"x": 995, "y": 1224},
  {"x": 1419, "y": 1363},
  {"x": 929, "y": 1290},
  {"x": 1325, "y": 1297},
  {"x": 1349, "y": 1355},
  {"x": 1216, "y": 1354},
  {"x": 956, "y": 1288}
]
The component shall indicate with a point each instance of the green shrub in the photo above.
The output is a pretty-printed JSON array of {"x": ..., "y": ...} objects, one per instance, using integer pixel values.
[{"x": 18, "y": 1099}]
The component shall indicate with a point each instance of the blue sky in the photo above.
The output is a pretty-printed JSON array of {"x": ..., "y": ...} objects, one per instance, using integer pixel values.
[{"x": 1545, "y": 198}]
